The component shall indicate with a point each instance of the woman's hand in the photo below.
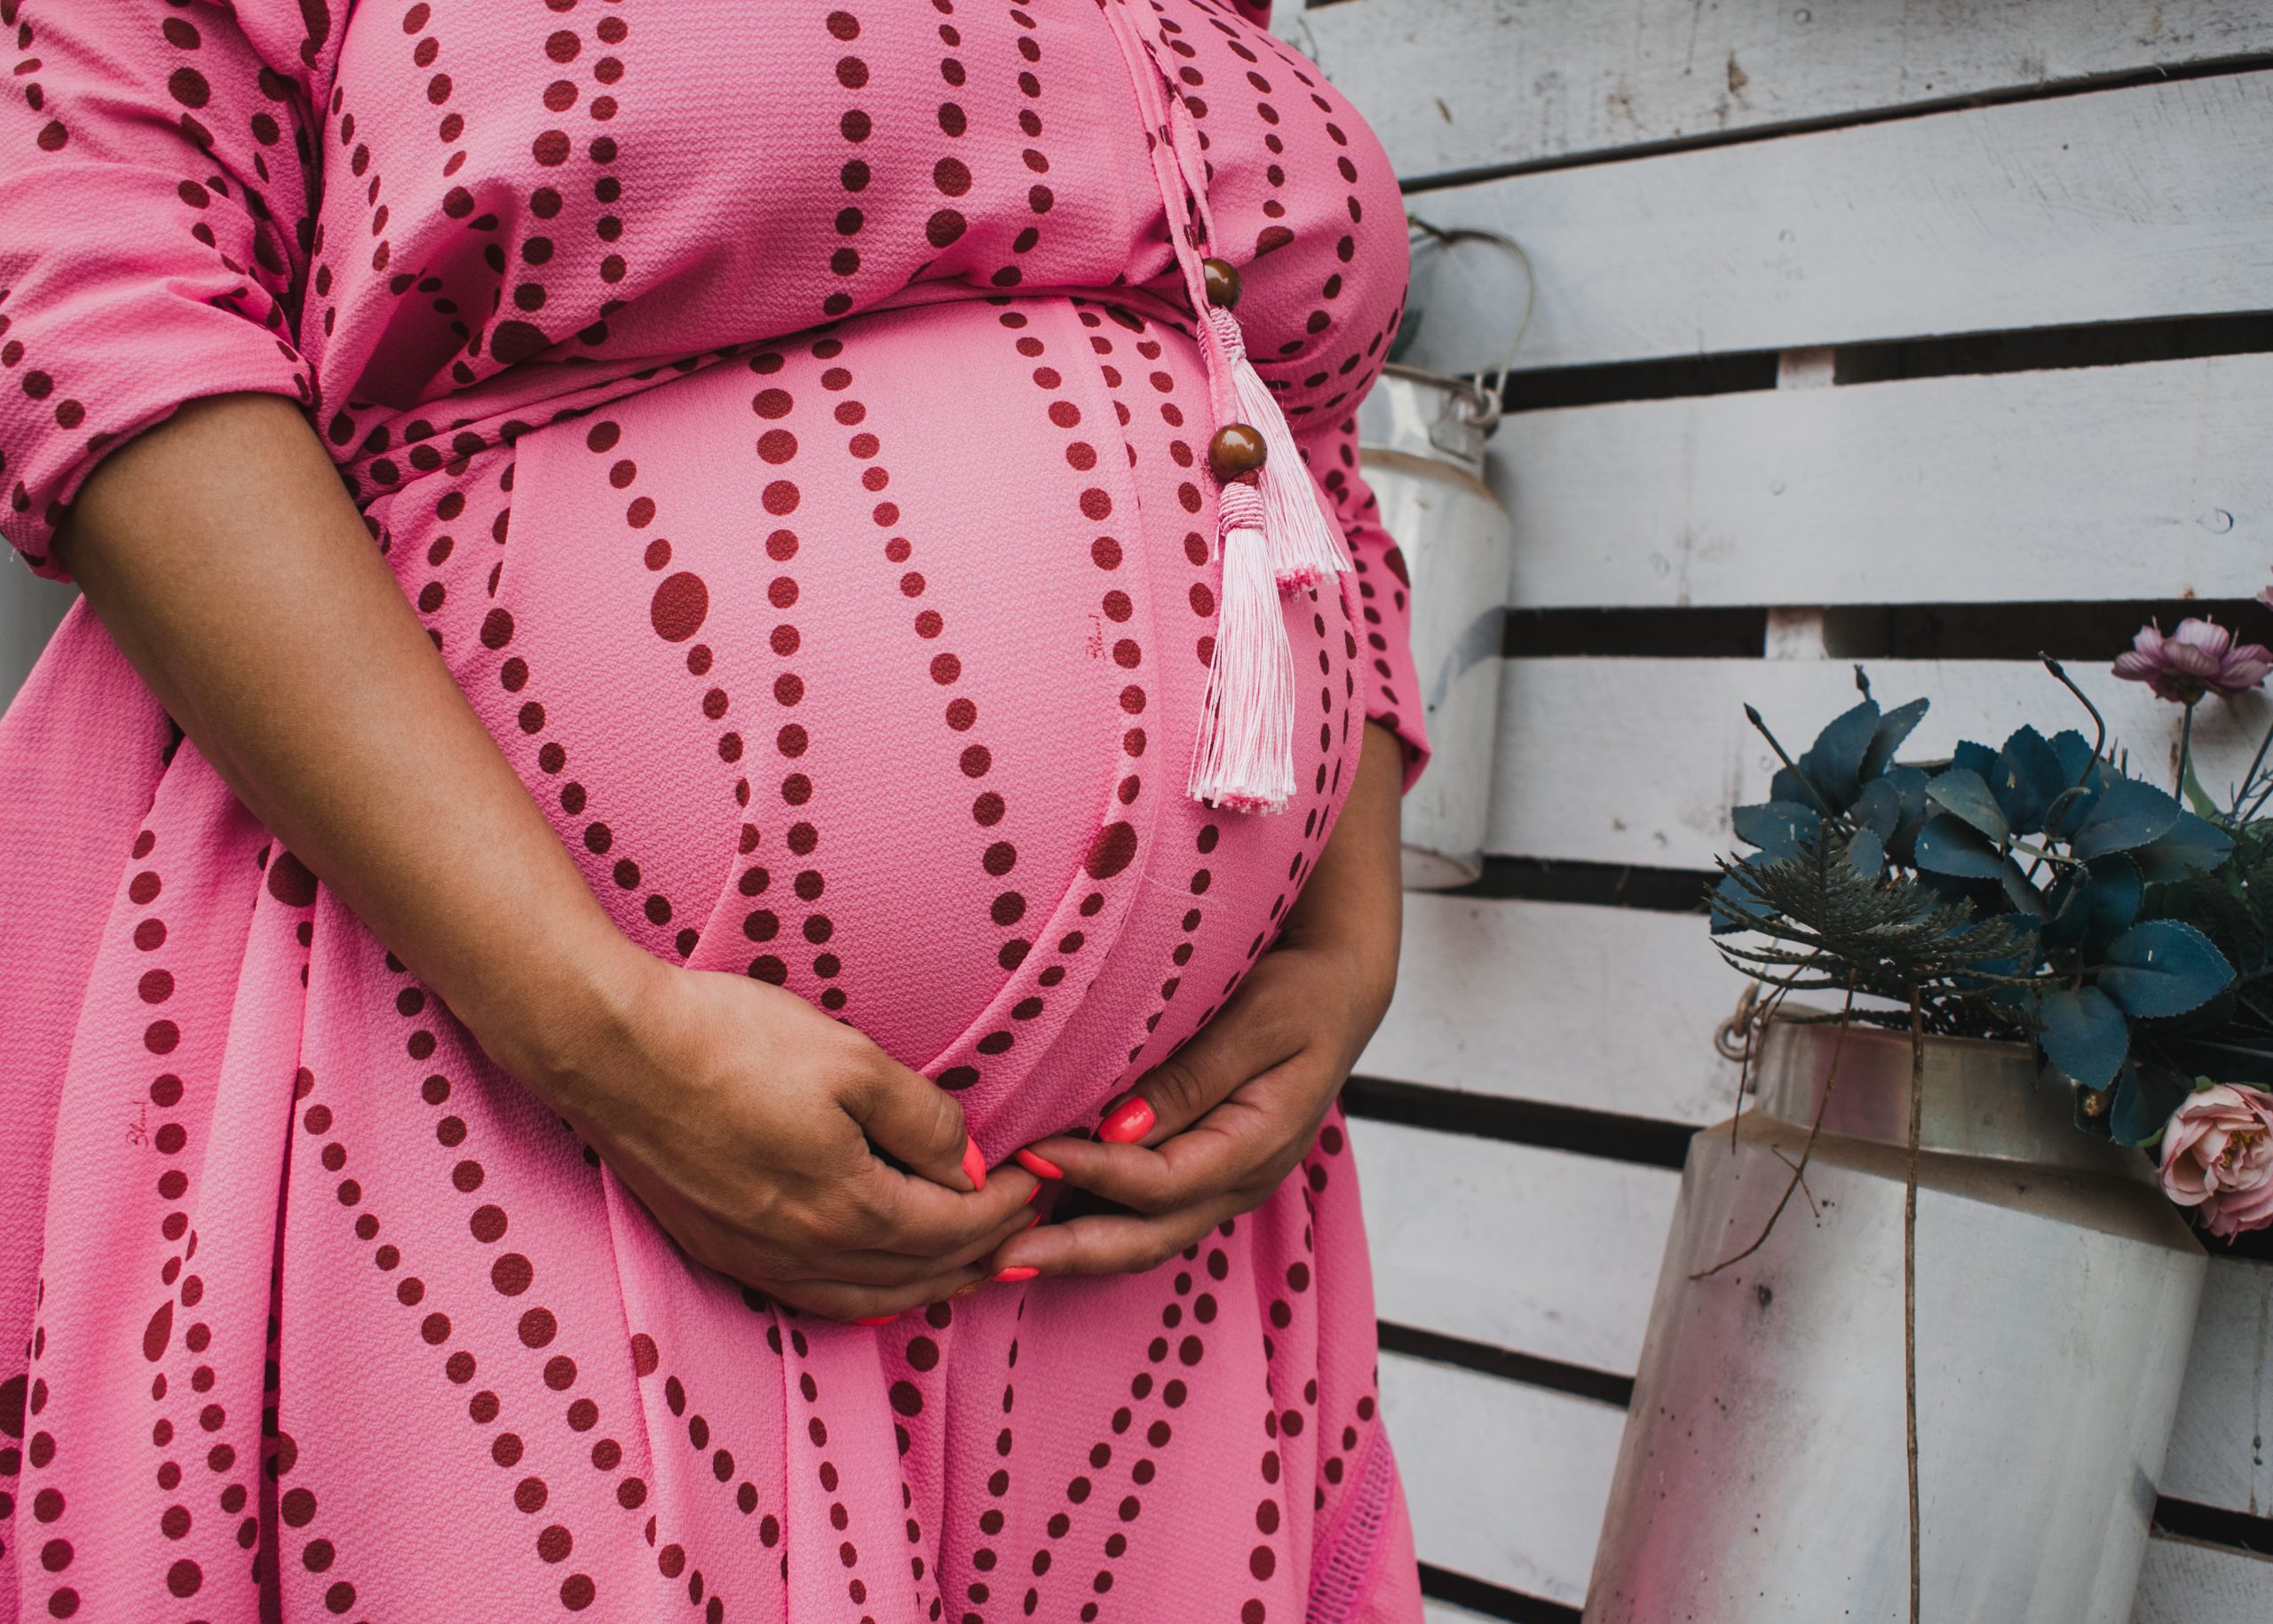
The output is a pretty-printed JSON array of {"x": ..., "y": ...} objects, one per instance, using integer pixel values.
[
  {"x": 229, "y": 564},
  {"x": 1214, "y": 1129},
  {"x": 744, "y": 1119}
]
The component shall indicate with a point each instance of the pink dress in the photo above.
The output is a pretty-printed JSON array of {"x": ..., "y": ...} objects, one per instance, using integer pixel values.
[{"x": 790, "y": 425}]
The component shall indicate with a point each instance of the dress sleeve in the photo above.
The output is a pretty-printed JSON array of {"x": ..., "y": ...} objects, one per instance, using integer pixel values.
[
  {"x": 154, "y": 227},
  {"x": 1393, "y": 691}
]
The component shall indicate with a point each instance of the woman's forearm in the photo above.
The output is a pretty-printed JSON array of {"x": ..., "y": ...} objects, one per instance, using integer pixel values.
[{"x": 226, "y": 559}]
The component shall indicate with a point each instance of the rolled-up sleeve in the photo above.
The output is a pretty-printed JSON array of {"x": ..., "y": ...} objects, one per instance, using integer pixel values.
[
  {"x": 155, "y": 220},
  {"x": 1384, "y": 601}
]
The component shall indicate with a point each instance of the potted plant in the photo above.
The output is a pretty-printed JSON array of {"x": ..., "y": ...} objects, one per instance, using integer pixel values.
[{"x": 1925, "y": 1310}]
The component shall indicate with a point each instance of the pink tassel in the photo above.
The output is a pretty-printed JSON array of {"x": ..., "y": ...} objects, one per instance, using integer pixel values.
[
  {"x": 1245, "y": 761},
  {"x": 1304, "y": 545}
]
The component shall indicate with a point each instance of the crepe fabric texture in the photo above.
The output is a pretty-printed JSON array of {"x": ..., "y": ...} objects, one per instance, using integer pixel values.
[{"x": 790, "y": 425}]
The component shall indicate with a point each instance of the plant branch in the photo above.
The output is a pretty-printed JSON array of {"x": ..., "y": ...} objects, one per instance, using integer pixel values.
[
  {"x": 1910, "y": 1282},
  {"x": 1799, "y": 1169}
]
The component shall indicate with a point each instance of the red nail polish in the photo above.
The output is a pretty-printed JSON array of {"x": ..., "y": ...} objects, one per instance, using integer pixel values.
[
  {"x": 1040, "y": 1166},
  {"x": 1012, "y": 1275},
  {"x": 877, "y": 1319},
  {"x": 1129, "y": 1124},
  {"x": 1035, "y": 1220},
  {"x": 1030, "y": 1196},
  {"x": 974, "y": 1165}
]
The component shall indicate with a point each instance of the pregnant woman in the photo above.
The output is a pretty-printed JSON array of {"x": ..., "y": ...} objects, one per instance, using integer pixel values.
[{"x": 705, "y": 688}]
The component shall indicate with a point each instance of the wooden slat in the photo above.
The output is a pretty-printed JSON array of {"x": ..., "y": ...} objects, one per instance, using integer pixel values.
[
  {"x": 1445, "y": 1612},
  {"x": 30, "y": 608},
  {"x": 2218, "y": 1450},
  {"x": 1637, "y": 761},
  {"x": 1606, "y": 1008},
  {"x": 1458, "y": 85},
  {"x": 2115, "y": 206},
  {"x": 2183, "y": 1583},
  {"x": 1506, "y": 1483},
  {"x": 2096, "y": 483},
  {"x": 1533, "y": 1250}
]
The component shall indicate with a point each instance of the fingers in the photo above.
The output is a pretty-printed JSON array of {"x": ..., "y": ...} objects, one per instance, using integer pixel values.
[
  {"x": 1116, "y": 1243},
  {"x": 1218, "y": 1151},
  {"x": 913, "y": 1119},
  {"x": 899, "y": 1213},
  {"x": 1244, "y": 1041}
]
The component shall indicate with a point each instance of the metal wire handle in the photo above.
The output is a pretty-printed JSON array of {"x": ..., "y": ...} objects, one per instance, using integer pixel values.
[{"x": 1491, "y": 383}]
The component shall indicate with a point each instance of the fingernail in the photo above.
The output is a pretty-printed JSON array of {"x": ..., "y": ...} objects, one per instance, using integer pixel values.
[
  {"x": 1015, "y": 1273},
  {"x": 1034, "y": 1220},
  {"x": 1031, "y": 1194},
  {"x": 877, "y": 1319},
  {"x": 1040, "y": 1166},
  {"x": 1129, "y": 1124},
  {"x": 974, "y": 1165}
]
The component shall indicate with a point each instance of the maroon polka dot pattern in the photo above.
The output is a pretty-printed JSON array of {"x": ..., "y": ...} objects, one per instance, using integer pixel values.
[{"x": 839, "y": 585}]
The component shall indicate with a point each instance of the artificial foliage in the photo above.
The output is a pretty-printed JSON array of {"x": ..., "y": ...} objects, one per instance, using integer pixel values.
[{"x": 2036, "y": 891}]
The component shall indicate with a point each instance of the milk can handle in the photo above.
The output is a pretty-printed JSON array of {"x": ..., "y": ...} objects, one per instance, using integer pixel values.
[{"x": 1490, "y": 384}]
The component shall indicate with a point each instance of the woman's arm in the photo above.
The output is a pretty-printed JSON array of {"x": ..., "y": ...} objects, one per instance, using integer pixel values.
[
  {"x": 224, "y": 555},
  {"x": 1225, "y": 1118}
]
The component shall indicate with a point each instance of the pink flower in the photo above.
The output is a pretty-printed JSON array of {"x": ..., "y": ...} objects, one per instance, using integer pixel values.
[
  {"x": 2197, "y": 659},
  {"x": 2218, "y": 1155}
]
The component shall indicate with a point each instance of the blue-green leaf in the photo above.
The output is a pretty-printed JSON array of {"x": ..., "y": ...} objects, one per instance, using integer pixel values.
[
  {"x": 2128, "y": 814},
  {"x": 1910, "y": 784},
  {"x": 2117, "y": 891},
  {"x": 2163, "y": 967},
  {"x": 2083, "y": 1033},
  {"x": 1776, "y": 828},
  {"x": 2145, "y": 1096},
  {"x": 2028, "y": 777},
  {"x": 1879, "y": 809},
  {"x": 1893, "y": 727},
  {"x": 1948, "y": 846},
  {"x": 1974, "y": 759},
  {"x": 1867, "y": 854},
  {"x": 2194, "y": 845},
  {"x": 1962, "y": 791},
  {"x": 2078, "y": 765},
  {"x": 1728, "y": 895},
  {"x": 1833, "y": 762}
]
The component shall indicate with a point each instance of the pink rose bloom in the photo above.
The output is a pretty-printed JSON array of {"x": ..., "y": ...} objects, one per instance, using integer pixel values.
[
  {"x": 2198, "y": 658},
  {"x": 2218, "y": 1155}
]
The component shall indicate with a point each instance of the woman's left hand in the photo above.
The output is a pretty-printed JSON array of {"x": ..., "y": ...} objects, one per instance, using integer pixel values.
[{"x": 1213, "y": 1130}]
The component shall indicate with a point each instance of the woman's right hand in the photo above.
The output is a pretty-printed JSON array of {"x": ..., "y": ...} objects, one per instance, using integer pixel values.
[{"x": 749, "y": 1123}]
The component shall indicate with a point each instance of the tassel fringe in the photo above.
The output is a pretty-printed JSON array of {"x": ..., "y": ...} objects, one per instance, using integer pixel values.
[
  {"x": 1303, "y": 543},
  {"x": 1245, "y": 756}
]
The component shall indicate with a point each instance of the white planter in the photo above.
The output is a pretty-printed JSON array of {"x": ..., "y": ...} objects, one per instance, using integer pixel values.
[{"x": 1761, "y": 1474}]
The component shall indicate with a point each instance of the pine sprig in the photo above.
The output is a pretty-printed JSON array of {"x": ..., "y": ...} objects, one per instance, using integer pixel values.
[{"x": 1885, "y": 934}]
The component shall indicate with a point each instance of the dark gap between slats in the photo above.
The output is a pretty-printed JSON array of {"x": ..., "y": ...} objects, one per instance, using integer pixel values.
[
  {"x": 2214, "y": 1526},
  {"x": 2082, "y": 632},
  {"x": 2089, "y": 84},
  {"x": 2043, "y": 349},
  {"x": 1605, "y": 1134},
  {"x": 1493, "y": 1601},
  {"x": 1580, "y": 1381},
  {"x": 1539, "y": 879}
]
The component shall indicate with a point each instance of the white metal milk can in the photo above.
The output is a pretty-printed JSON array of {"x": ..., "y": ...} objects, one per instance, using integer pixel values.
[
  {"x": 1420, "y": 437},
  {"x": 1763, "y": 1473}
]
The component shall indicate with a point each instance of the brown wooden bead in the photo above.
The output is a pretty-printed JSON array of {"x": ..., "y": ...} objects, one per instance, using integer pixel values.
[
  {"x": 1221, "y": 278},
  {"x": 1236, "y": 449}
]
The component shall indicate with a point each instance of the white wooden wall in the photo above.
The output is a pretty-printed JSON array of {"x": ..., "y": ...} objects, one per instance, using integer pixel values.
[
  {"x": 1727, "y": 177},
  {"x": 1778, "y": 182}
]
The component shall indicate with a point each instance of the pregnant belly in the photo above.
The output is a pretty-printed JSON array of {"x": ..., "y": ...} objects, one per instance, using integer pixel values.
[{"x": 871, "y": 666}]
